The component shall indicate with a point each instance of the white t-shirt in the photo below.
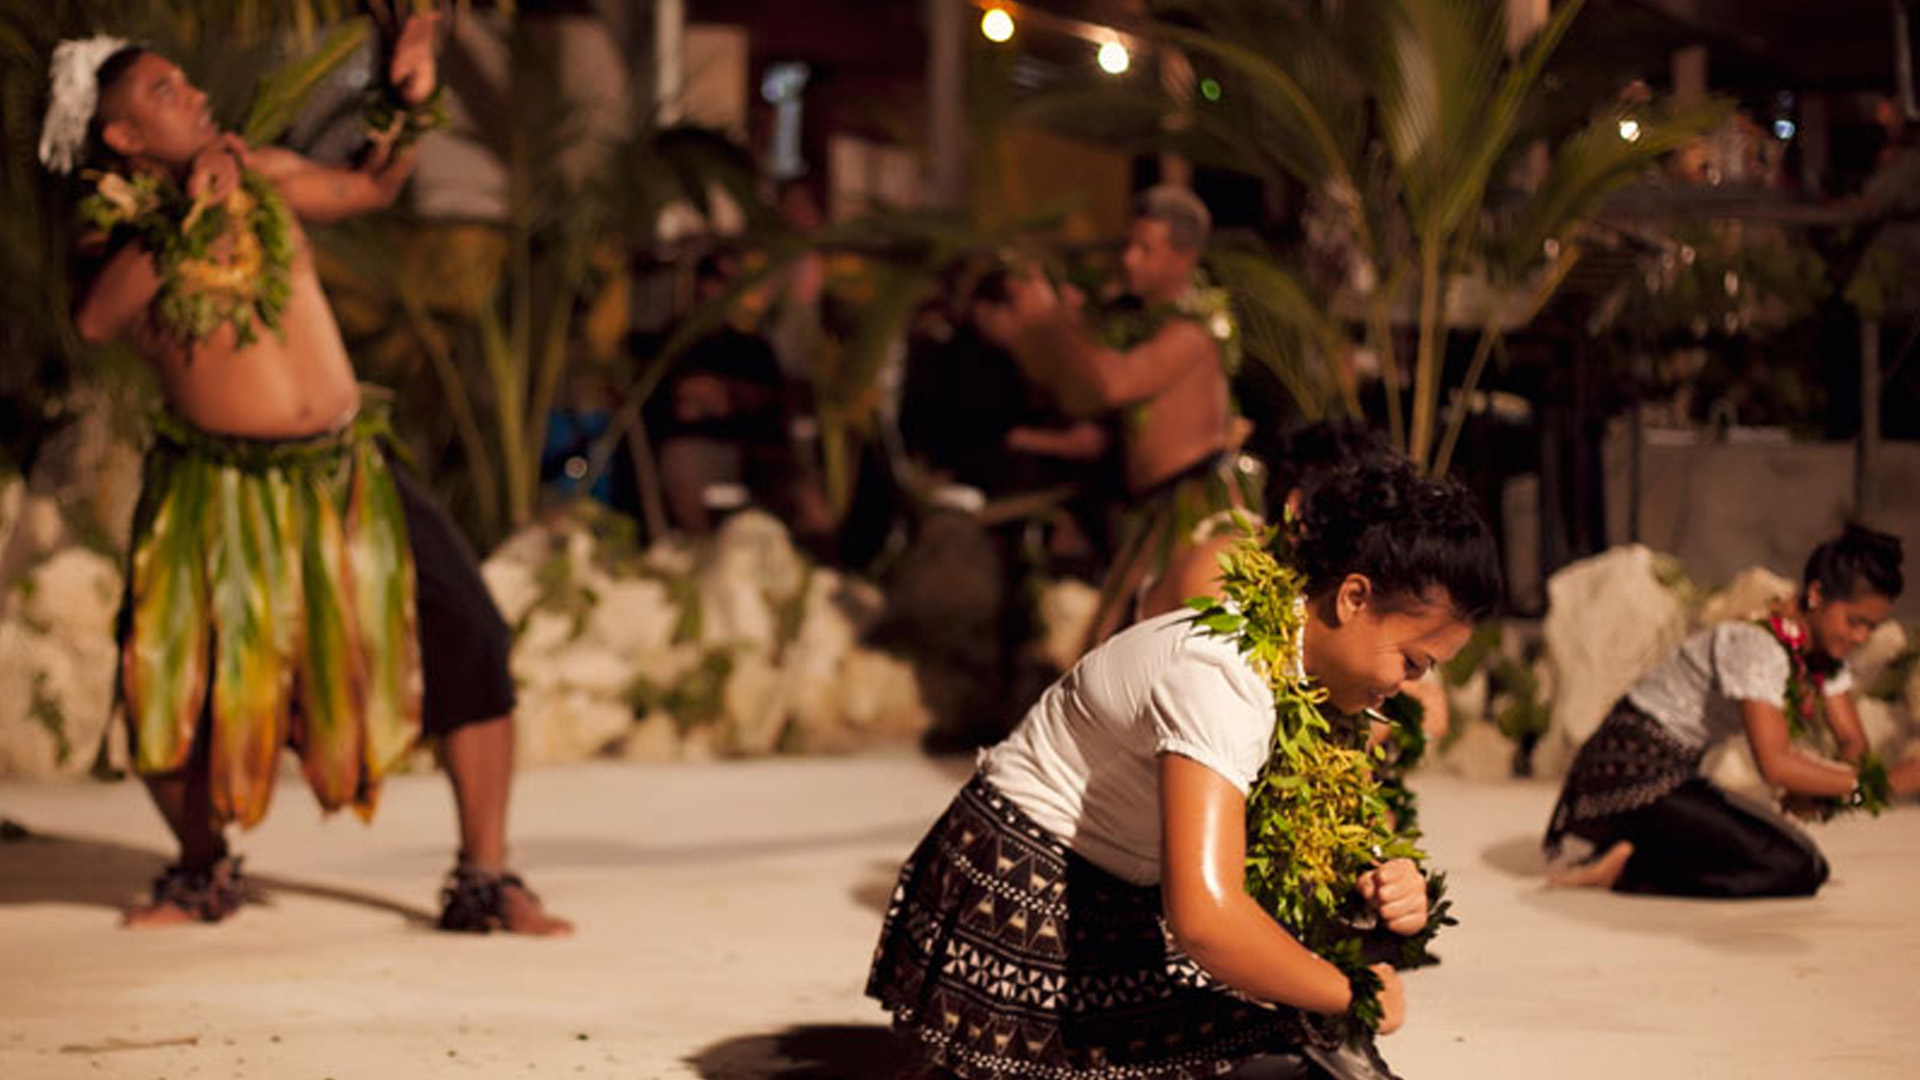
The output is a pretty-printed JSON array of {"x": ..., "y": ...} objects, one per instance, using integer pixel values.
[
  {"x": 1696, "y": 691},
  {"x": 1084, "y": 762}
]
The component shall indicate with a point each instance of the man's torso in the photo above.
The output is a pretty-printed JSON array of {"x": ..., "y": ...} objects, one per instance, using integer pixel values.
[{"x": 290, "y": 382}]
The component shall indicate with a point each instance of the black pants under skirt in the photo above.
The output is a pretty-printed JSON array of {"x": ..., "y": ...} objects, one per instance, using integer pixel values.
[{"x": 1631, "y": 781}]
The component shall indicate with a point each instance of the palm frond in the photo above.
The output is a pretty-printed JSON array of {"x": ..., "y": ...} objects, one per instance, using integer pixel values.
[
  {"x": 1586, "y": 168},
  {"x": 279, "y": 98}
]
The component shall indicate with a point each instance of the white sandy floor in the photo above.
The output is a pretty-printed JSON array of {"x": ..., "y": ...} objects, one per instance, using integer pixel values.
[{"x": 727, "y": 912}]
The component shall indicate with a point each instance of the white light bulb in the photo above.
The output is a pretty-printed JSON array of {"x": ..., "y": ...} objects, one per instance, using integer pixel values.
[
  {"x": 996, "y": 25},
  {"x": 1113, "y": 58}
]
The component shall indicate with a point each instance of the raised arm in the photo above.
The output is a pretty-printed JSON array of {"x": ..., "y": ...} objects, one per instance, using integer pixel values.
[
  {"x": 1784, "y": 766},
  {"x": 1203, "y": 866},
  {"x": 1055, "y": 346},
  {"x": 325, "y": 193},
  {"x": 1091, "y": 377}
]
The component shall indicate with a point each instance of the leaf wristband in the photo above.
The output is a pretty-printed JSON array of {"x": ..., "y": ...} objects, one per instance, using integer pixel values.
[
  {"x": 394, "y": 125},
  {"x": 1364, "y": 1010}
]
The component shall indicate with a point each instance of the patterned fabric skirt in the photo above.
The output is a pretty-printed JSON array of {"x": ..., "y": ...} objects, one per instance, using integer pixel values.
[
  {"x": 1006, "y": 955},
  {"x": 1630, "y": 762}
]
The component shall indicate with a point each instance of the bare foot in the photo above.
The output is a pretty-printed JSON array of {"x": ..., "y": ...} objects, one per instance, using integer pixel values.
[
  {"x": 522, "y": 913},
  {"x": 1598, "y": 873},
  {"x": 155, "y": 916},
  {"x": 182, "y": 895},
  {"x": 479, "y": 902}
]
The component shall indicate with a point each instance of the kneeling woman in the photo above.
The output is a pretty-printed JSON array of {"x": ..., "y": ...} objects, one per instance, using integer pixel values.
[
  {"x": 1634, "y": 791},
  {"x": 1081, "y": 909}
]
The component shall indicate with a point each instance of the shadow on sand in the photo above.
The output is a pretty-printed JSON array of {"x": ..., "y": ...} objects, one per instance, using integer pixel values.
[
  {"x": 1518, "y": 856},
  {"x": 43, "y": 868},
  {"x": 806, "y": 1052},
  {"x": 1773, "y": 927}
]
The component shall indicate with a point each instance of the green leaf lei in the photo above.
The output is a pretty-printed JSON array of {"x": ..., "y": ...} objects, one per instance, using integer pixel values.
[
  {"x": 1316, "y": 816},
  {"x": 246, "y": 283}
]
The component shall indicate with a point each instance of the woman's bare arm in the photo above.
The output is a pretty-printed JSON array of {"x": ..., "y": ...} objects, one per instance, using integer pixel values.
[
  {"x": 1784, "y": 766},
  {"x": 1203, "y": 863}
]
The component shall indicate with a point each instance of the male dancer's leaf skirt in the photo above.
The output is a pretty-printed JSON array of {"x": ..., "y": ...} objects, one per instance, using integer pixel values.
[
  {"x": 1163, "y": 522},
  {"x": 271, "y": 603}
]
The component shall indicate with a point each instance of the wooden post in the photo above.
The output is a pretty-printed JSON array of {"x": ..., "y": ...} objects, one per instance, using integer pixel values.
[
  {"x": 946, "y": 103},
  {"x": 669, "y": 37},
  {"x": 1690, "y": 74},
  {"x": 1176, "y": 76}
]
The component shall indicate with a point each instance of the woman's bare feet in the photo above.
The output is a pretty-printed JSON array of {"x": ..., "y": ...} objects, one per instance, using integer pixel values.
[{"x": 1597, "y": 873}]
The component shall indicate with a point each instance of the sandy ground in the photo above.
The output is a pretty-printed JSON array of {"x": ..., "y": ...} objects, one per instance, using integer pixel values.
[{"x": 727, "y": 912}]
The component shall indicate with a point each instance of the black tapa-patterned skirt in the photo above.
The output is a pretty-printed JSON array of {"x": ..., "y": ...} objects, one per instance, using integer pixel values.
[
  {"x": 1006, "y": 955},
  {"x": 1628, "y": 763}
]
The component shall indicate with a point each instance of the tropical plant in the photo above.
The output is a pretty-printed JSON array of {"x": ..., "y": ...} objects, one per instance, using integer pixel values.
[
  {"x": 1407, "y": 121},
  {"x": 499, "y": 324}
]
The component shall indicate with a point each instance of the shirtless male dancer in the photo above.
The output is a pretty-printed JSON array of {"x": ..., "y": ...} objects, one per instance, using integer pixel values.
[
  {"x": 270, "y": 597},
  {"x": 1164, "y": 372}
]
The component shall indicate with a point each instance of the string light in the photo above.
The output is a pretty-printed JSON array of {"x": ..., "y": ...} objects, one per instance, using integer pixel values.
[
  {"x": 1113, "y": 58},
  {"x": 997, "y": 25},
  {"x": 1630, "y": 129}
]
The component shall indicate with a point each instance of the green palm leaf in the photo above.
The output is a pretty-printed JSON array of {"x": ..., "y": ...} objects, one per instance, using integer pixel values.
[
  {"x": 164, "y": 663},
  {"x": 332, "y": 672},
  {"x": 282, "y": 94},
  {"x": 1284, "y": 327},
  {"x": 1590, "y": 165},
  {"x": 253, "y": 598},
  {"x": 383, "y": 601}
]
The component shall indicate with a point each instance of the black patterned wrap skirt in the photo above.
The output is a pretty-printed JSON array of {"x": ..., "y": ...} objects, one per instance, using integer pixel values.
[
  {"x": 1630, "y": 762},
  {"x": 1005, "y": 954}
]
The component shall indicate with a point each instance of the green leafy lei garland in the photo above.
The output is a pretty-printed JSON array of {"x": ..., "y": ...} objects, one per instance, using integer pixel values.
[
  {"x": 220, "y": 263},
  {"x": 1316, "y": 817},
  {"x": 1207, "y": 305},
  {"x": 1805, "y": 694},
  {"x": 394, "y": 124},
  {"x": 1402, "y": 752}
]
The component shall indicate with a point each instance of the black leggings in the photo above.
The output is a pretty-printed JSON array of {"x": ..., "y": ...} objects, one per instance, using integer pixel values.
[{"x": 1697, "y": 842}]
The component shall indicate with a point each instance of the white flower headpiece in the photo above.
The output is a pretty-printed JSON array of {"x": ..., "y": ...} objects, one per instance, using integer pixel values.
[{"x": 75, "y": 78}]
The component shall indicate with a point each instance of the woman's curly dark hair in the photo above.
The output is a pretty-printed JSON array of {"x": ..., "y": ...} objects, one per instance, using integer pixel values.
[
  {"x": 1858, "y": 560},
  {"x": 1408, "y": 534}
]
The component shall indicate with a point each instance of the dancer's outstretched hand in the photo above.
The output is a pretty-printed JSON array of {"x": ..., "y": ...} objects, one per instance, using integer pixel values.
[
  {"x": 1393, "y": 999},
  {"x": 1398, "y": 891},
  {"x": 411, "y": 71}
]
